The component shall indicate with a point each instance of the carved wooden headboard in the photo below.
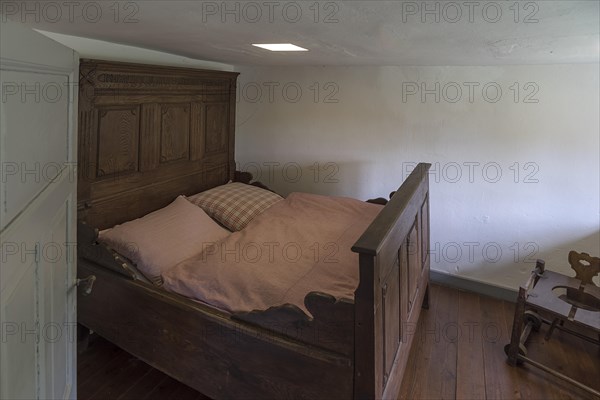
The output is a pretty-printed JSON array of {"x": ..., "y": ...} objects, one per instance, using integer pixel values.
[{"x": 148, "y": 134}]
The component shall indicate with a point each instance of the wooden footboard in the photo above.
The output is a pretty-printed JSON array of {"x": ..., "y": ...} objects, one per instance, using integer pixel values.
[{"x": 394, "y": 277}]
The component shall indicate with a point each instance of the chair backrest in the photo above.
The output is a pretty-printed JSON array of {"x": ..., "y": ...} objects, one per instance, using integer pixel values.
[{"x": 585, "y": 266}]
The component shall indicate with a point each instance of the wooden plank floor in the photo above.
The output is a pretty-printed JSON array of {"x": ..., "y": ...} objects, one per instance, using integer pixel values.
[{"x": 457, "y": 354}]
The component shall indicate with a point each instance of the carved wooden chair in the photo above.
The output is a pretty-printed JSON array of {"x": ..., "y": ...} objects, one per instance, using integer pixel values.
[{"x": 562, "y": 298}]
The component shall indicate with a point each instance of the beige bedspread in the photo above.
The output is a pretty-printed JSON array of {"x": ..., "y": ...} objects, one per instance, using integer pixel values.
[{"x": 299, "y": 245}]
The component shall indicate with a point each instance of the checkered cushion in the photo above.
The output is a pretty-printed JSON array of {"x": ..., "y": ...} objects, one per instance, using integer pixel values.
[{"x": 235, "y": 204}]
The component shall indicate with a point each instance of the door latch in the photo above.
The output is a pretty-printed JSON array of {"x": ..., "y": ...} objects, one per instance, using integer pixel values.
[{"x": 86, "y": 284}]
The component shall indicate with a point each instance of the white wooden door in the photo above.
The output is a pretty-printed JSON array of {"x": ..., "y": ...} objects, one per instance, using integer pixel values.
[{"x": 38, "y": 128}]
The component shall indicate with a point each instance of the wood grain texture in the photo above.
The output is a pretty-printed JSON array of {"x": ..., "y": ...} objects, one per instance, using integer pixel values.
[
  {"x": 175, "y": 132},
  {"x": 186, "y": 145},
  {"x": 417, "y": 367},
  {"x": 205, "y": 349},
  {"x": 481, "y": 368},
  {"x": 531, "y": 382},
  {"x": 470, "y": 349},
  {"x": 502, "y": 381},
  {"x": 215, "y": 126},
  {"x": 118, "y": 141},
  {"x": 144, "y": 130},
  {"x": 390, "y": 250},
  {"x": 328, "y": 329},
  {"x": 441, "y": 382}
]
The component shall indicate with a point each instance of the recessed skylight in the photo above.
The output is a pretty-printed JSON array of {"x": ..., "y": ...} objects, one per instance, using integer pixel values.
[{"x": 280, "y": 47}]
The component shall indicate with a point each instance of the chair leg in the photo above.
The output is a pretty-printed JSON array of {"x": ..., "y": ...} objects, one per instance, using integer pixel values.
[
  {"x": 512, "y": 349},
  {"x": 552, "y": 327}
]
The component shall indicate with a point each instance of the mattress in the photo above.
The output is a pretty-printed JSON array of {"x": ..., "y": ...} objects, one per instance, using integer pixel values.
[{"x": 297, "y": 246}]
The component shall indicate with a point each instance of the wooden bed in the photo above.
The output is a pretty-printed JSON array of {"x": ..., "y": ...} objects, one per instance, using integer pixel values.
[{"x": 148, "y": 134}]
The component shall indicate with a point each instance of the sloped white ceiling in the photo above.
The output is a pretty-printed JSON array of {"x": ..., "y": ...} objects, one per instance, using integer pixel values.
[{"x": 335, "y": 32}]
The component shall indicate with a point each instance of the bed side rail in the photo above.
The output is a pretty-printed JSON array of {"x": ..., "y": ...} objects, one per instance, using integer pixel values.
[
  {"x": 90, "y": 250},
  {"x": 394, "y": 273}
]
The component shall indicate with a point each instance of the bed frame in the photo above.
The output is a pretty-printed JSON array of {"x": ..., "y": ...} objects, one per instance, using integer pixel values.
[{"x": 148, "y": 134}]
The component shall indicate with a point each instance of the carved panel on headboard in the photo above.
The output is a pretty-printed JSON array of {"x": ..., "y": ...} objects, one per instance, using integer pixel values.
[
  {"x": 117, "y": 141},
  {"x": 175, "y": 132},
  {"x": 148, "y": 134},
  {"x": 216, "y": 120}
]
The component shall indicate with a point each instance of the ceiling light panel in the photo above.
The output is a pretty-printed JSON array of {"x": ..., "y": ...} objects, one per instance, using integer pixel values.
[{"x": 280, "y": 47}]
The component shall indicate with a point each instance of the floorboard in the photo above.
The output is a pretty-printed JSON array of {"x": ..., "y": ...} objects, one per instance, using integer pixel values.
[
  {"x": 144, "y": 386},
  {"x": 470, "y": 349},
  {"x": 419, "y": 359},
  {"x": 458, "y": 353},
  {"x": 441, "y": 382}
]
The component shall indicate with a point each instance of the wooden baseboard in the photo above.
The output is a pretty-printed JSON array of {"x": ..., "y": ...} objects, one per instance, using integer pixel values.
[{"x": 463, "y": 283}]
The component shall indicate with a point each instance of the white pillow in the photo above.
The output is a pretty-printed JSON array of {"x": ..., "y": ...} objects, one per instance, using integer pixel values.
[{"x": 160, "y": 240}]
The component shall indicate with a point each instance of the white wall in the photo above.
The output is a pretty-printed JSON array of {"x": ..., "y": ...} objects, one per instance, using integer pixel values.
[
  {"x": 365, "y": 128},
  {"x": 102, "y": 50},
  {"x": 544, "y": 203}
]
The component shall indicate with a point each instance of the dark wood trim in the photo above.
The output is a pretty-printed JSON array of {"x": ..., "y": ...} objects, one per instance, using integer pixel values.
[
  {"x": 204, "y": 347},
  {"x": 386, "y": 222},
  {"x": 449, "y": 364},
  {"x": 89, "y": 249},
  {"x": 327, "y": 329},
  {"x": 143, "y": 137},
  {"x": 394, "y": 276}
]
